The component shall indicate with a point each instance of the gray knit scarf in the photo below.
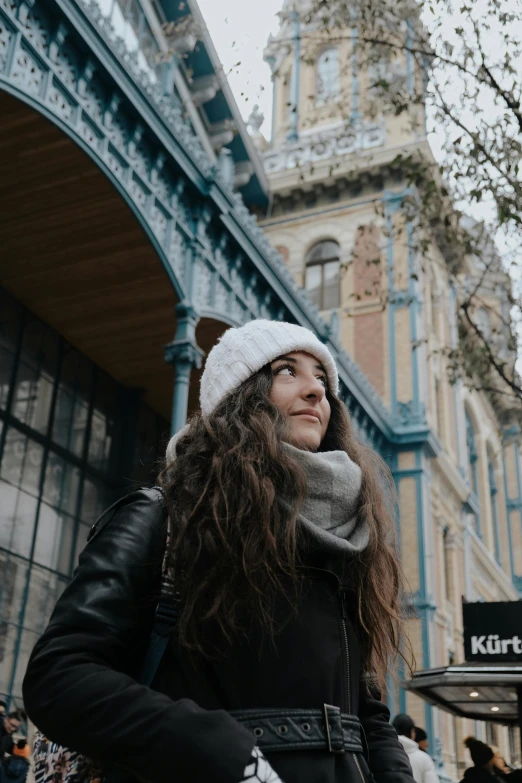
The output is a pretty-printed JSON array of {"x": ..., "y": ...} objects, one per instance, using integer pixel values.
[{"x": 329, "y": 511}]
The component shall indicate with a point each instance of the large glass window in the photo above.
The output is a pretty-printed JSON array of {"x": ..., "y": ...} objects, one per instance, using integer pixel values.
[
  {"x": 327, "y": 75},
  {"x": 322, "y": 277},
  {"x": 64, "y": 448}
]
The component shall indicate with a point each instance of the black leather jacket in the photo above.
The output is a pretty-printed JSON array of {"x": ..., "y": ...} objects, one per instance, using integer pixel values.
[{"x": 81, "y": 691}]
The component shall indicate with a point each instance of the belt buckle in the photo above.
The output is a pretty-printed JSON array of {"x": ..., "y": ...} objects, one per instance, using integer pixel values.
[{"x": 337, "y": 716}]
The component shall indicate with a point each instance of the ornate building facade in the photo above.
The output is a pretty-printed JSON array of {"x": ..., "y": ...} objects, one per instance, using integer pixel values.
[{"x": 336, "y": 198}]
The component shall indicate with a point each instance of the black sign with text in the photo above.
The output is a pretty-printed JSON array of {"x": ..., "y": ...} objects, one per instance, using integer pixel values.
[{"x": 493, "y": 631}]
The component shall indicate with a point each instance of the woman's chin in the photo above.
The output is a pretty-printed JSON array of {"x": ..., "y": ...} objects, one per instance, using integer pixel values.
[{"x": 307, "y": 441}]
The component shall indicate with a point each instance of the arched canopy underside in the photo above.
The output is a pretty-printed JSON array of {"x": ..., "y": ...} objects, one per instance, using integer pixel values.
[{"x": 77, "y": 255}]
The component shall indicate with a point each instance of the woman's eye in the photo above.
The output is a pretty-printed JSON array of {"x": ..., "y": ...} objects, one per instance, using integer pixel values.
[
  {"x": 285, "y": 369},
  {"x": 323, "y": 380}
]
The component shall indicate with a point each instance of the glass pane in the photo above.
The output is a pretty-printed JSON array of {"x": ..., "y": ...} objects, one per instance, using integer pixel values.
[
  {"x": 21, "y": 461},
  {"x": 13, "y": 576},
  {"x": 95, "y": 499},
  {"x": 331, "y": 285},
  {"x": 102, "y": 424},
  {"x": 323, "y": 251},
  {"x": 9, "y": 329},
  {"x": 8, "y": 637},
  {"x": 62, "y": 481},
  {"x": 72, "y": 403},
  {"x": 313, "y": 283},
  {"x": 100, "y": 441},
  {"x": 28, "y": 640},
  {"x": 35, "y": 377},
  {"x": 44, "y": 590},
  {"x": 54, "y": 539},
  {"x": 18, "y": 518}
]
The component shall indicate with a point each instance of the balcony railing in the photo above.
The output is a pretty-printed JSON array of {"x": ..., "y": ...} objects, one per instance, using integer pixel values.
[{"x": 151, "y": 50}]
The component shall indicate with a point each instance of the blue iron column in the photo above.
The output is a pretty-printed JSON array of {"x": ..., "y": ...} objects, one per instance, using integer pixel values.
[{"x": 185, "y": 355}]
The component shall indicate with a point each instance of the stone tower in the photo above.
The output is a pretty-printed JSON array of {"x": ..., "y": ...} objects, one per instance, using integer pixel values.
[{"x": 334, "y": 182}]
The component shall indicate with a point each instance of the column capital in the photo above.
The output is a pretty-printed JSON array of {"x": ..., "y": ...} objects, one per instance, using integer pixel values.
[{"x": 184, "y": 351}]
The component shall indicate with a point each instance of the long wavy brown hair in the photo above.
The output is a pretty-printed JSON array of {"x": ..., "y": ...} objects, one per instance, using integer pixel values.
[{"x": 236, "y": 551}]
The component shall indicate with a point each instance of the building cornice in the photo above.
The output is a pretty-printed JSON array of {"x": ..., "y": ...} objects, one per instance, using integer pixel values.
[{"x": 288, "y": 179}]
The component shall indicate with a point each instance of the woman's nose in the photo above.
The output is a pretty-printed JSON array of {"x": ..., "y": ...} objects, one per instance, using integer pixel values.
[{"x": 315, "y": 388}]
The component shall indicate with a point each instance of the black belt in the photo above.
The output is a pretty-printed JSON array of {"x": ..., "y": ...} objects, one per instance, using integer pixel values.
[{"x": 294, "y": 729}]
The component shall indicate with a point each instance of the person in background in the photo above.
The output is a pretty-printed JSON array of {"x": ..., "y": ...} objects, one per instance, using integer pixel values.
[
  {"x": 485, "y": 769},
  {"x": 422, "y": 765},
  {"x": 15, "y": 768},
  {"x": 8, "y": 726},
  {"x": 3, "y": 707},
  {"x": 421, "y": 738}
]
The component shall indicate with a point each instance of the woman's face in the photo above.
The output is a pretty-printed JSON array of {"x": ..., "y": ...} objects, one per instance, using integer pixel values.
[{"x": 299, "y": 391}]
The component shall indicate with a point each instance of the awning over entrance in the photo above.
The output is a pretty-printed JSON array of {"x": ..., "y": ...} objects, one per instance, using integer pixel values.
[{"x": 479, "y": 691}]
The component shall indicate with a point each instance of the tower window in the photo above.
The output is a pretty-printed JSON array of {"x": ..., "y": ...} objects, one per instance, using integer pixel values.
[
  {"x": 327, "y": 76},
  {"x": 322, "y": 278}
]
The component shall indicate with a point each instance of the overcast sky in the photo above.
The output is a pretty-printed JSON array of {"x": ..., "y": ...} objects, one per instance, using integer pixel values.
[{"x": 240, "y": 30}]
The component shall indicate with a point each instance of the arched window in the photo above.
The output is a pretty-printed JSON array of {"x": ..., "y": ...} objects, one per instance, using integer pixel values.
[
  {"x": 472, "y": 466},
  {"x": 322, "y": 280},
  {"x": 327, "y": 86}
]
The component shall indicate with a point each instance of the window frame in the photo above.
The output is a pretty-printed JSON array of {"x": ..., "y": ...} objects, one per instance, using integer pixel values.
[{"x": 311, "y": 262}]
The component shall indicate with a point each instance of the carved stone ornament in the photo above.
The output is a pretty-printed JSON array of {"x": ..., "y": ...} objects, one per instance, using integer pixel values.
[
  {"x": 325, "y": 146},
  {"x": 256, "y": 119},
  {"x": 184, "y": 351}
]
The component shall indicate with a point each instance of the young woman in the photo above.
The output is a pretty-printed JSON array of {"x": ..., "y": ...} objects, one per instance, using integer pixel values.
[{"x": 281, "y": 550}]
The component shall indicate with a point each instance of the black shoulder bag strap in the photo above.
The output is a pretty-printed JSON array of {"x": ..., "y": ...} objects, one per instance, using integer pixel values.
[
  {"x": 167, "y": 613},
  {"x": 168, "y": 606}
]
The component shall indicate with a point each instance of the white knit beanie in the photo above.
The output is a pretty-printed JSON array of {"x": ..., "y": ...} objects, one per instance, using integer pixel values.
[{"x": 242, "y": 352}]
